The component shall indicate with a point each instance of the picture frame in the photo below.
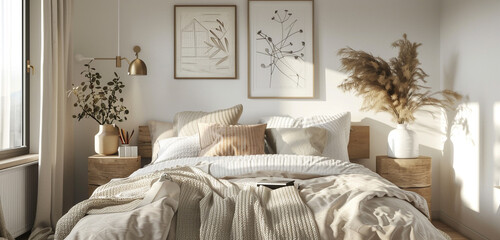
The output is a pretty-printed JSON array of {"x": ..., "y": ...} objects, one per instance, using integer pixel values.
[
  {"x": 281, "y": 49},
  {"x": 205, "y": 42}
]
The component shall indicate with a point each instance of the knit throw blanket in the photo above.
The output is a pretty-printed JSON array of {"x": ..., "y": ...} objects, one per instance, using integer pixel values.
[{"x": 209, "y": 208}]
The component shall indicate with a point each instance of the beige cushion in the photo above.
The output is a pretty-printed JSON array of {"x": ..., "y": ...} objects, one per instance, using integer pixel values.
[
  {"x": 338, "y": 128},
  {"x": 234, "y": 140},
  {"x": 186, "y": 123},
  {"x": 298, "y": 141},
  {"x": 159, "y": 130}
]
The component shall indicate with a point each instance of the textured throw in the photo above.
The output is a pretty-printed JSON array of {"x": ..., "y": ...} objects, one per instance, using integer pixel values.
[
  {"x": 106, "y": 196},
  {"x": 209, "y": 208},
  {"x": 227, "y": 212}
]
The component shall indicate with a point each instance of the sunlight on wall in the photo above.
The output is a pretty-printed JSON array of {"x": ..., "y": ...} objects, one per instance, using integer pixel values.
[
  {"x": 496, "y": 192},
  {"x": 336, "y": 98},
  {"x": 334, "y": 78},
  {"x": 465, "y": 138}
]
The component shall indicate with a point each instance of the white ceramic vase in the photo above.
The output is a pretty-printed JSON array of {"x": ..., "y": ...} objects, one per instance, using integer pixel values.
[
  {"x": 106, "y": 140},
  {"x": 402, "y": 143}
]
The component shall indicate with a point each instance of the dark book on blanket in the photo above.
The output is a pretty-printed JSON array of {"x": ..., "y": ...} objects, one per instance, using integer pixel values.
[{"x": 275, "y": 184}]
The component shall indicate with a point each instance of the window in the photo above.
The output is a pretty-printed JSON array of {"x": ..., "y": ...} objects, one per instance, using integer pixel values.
[{"x": 14, "y": 79}]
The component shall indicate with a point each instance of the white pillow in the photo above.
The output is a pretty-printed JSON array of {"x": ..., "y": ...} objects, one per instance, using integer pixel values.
[
  {"x": 282, "y": 122},
  {"x": 159, "y": 130},
  {"x": 338, "y": 128},
  {"x": 178, "y": 147}
]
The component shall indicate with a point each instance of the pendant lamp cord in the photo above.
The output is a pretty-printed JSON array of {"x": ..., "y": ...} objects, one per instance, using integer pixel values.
[{"x": 118, "y": 37}]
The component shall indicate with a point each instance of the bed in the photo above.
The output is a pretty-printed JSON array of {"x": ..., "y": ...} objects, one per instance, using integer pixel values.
[{"x": 216, "y": 197}]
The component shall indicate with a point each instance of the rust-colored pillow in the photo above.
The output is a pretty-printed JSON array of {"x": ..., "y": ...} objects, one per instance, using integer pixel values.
[{"x": 231, "y": 140}]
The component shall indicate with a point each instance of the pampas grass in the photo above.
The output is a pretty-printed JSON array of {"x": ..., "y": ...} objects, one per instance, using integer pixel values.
[{"x": 395, "y": 87}]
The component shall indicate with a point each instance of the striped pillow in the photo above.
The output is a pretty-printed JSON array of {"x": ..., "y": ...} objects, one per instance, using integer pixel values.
[
  {"x": 282, "y": 122},
  {"x": 186, "y": 123},
  {"x": 233, "y": 140}
]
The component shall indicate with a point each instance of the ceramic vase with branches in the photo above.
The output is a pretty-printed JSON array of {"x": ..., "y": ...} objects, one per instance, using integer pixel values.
[{"x": 102, "y": 104}]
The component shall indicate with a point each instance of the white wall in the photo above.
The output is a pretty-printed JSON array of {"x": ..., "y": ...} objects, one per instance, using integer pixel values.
[
  {"x": 367, "y": 25},
  {"x": 471, "y": 164}
]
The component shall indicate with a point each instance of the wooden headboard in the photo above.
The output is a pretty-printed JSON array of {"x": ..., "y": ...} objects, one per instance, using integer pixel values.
[{"x": 359, "y": 142}]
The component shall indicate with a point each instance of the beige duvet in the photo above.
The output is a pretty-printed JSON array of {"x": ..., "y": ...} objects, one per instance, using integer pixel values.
[{"x": 347, "y": 201}]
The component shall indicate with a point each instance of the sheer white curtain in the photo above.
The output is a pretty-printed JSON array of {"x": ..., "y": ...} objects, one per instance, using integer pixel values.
[
  {"x": 56, "y": 160},
  {"x": 4, "y": 234},
  {"x": 11, "y": 74}
]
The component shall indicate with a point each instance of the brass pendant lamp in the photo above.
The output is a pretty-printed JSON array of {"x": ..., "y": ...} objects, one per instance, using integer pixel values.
[{"x": 136, "y": 68}]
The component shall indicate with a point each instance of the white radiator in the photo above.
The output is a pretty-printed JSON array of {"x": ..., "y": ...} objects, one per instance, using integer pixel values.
[{"x": 18, "y": 192}]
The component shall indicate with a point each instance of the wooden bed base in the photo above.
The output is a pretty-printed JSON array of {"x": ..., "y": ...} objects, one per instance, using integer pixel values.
[{"x": 358, "y": 148}]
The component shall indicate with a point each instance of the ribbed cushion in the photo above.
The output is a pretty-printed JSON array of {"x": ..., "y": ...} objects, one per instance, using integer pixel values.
[
  {"x": 186, "y": 123},
  {"x": 297, "y": 141},
  {"x": 234, "y": 140}
]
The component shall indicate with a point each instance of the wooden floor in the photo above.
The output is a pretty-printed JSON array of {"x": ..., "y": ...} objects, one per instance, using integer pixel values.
[{"x": 448, "y": 230}]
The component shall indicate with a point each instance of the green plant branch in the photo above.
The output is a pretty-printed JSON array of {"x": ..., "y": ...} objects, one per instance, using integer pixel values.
[
  {"x": 87, "y": 113},
  {"x": 96, "y": 102}
]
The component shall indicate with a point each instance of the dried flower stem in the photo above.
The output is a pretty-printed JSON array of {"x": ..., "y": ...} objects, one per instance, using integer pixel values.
[{"x": 396, "y": 86}]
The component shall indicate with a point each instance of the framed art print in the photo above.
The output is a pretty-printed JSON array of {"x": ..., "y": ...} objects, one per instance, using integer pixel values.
[
  {"x": 280, "y": 49},
  {"x": 205, "y": 42}
]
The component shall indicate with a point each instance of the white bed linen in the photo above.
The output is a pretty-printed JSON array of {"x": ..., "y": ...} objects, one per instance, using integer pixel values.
[
  {"x": 150, "y": 219},
  {"x": 348, "y": 200},
  {"x": 178, "y": 147}
]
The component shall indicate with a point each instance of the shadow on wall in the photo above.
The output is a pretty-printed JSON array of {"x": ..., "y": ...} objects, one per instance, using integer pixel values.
[
  {"x": 378, "y": 131},
  {"x": 498, "y": 211},
  {"x": 461, "y": 167},
  {"x": 450, "y": 185}
]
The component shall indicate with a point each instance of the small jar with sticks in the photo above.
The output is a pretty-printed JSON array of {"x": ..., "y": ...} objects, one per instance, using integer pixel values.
[
  {"x": 125, "y": 137},
  {"x": 125, "y": 150}
]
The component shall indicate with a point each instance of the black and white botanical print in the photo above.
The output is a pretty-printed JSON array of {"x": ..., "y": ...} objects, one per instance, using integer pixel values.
[
  {"x": 280, "y": 39},
  {"x": 283, "y": 47}
]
